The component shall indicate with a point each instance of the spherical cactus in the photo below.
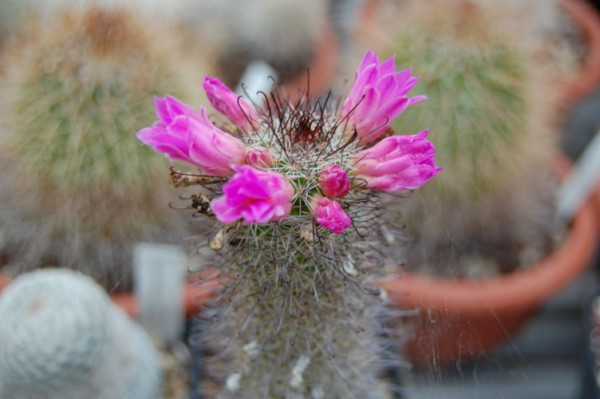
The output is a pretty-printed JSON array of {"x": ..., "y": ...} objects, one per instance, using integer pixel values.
[
  {"x": 77, "y": 184},
  {"x": 62, "y": 338},
  {"x": 487, "y": 113}
]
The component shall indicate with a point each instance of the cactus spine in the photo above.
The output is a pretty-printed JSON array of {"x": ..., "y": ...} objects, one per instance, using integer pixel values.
[
  {"x": 297, "y": 322},
  {"x": 61, "y": 338}
]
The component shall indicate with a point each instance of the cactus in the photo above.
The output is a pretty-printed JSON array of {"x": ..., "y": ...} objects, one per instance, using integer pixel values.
[
  {"x": 62, "y": 338},
  {"x": 488, "y": 114},
  {"x": 294, "y": 186},
  {"x": 76, "y": 184}
]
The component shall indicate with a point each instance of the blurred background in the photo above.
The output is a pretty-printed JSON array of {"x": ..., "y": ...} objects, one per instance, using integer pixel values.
[{"x": 510, "y": 84}]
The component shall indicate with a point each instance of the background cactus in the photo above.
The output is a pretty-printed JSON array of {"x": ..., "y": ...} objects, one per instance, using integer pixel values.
[
  {"x": 76, "y": 184},
  {"x": 61, "y": 338},
  {"x": 489, "y": 114}
]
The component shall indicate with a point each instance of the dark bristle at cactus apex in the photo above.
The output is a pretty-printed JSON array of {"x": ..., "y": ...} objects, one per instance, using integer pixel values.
[
  {"x": 78, "y": 190},
  {"x": 294, "y": 189}
]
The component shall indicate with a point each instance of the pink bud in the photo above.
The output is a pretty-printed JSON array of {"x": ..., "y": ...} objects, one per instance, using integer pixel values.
[
  {"x": 329, "y": 214},
  {"x": 334, "y": 181},
  {"x": 397, "y": 163},
  {"x": 254, "y": 196},
  {"x": 377, "y": 97},
  {"x": 183, "y": 134},
  {"x": 234, "y": 107},
  {"x": 260, "y": 158}
]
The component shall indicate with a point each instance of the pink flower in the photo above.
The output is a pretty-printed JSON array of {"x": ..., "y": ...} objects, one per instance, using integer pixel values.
[
  {"x": 254, "y": 196},
  {"x": 397, "y": 163},
  {"x": 378, "y": 96},
  {"x": 329, "y": 214},
  {"x": 234, "y": 107},
  {"x": 334, "y": 181},
  {"x": 183, "y": 134}
]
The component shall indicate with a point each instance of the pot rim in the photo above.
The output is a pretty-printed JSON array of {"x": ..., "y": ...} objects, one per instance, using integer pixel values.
[
  {"x": 520, "y": 291},
  {"x": 588, "y": 75},
  {"x": 196, "y": 293}
]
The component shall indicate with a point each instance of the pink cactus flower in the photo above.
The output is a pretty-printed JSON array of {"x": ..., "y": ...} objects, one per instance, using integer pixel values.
[
  {"x": 397, "y": 163},
  {"x": 329, "y": 214},
  {"x": 234, "y": 107},
  {"x": 378, "y": 96},
  {"x": 254, "y": 196},
  {"x": 183, "y": 134},
  {"x": 334, "y": 181}
]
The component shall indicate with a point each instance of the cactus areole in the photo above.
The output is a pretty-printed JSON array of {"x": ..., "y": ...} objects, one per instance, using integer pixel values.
[{"x": 295, "y": 190}]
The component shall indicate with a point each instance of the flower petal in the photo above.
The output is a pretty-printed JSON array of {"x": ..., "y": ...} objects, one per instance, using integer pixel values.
[{"x": 360, "y": 107}]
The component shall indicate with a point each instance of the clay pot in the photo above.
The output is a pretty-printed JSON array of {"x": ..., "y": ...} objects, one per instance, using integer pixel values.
[
  {"x": 588, "y": 76},
  {"x": 195, "y": 294},
  {"x": 596, "y": 200},
  {"x": 460, "y": 318},
  {"x": 4, "y": 281}
]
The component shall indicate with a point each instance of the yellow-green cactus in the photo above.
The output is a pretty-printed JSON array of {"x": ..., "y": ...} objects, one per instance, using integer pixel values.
[
  {"x": 488, "y": 114},
  {"x": 77, "y": 185}
]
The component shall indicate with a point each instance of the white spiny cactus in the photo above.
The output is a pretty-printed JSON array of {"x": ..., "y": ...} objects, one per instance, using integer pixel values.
[{"x": 61, "y": 338}]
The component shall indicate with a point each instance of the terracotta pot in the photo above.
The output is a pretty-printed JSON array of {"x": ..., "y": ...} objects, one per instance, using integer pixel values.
[
  {"x": 458, "y": 319},
  {"x": 4, "y": 281},
  {"x": 588, "y": 77},
  {"x": 195, "y": 295},
  {"x": 596, "y": 200}
]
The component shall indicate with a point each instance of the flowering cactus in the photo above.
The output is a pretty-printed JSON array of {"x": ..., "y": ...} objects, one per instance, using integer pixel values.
[{"x": 300, "y": 318}]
